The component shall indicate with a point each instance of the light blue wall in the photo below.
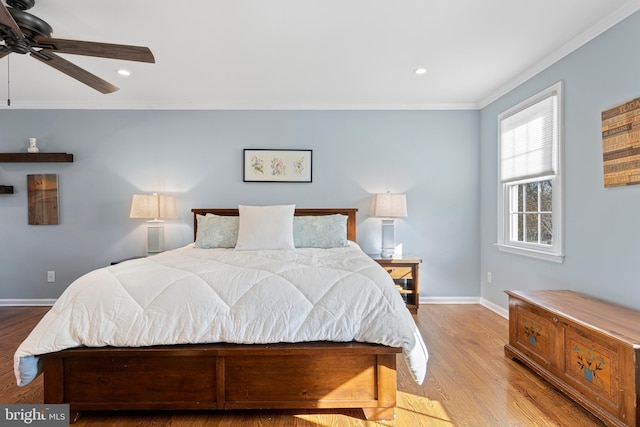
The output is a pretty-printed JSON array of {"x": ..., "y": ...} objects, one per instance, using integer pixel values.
[
  {"x": 601, "y": 225},
  {"x": 444, "y": 160},
  {"x": 197, "y": 157}
]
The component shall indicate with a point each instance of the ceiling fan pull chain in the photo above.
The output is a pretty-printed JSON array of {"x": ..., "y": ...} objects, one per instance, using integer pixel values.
[{"x": 8, "y": 84}]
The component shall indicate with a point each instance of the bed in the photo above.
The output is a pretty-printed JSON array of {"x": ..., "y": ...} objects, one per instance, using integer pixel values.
[{"x": 307, "y": 363}]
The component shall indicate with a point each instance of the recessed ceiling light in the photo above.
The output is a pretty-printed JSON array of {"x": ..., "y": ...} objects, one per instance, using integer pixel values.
[
  {"x": 124, "y": 72},
  {"x": 420, "y": 71}
]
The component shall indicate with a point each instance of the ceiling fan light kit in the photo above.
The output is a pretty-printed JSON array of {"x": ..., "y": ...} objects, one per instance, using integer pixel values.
[{"x": 25, "y": 33}]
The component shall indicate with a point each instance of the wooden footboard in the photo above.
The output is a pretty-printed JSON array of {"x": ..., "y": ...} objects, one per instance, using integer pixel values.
[{"x": 225, "y": 376}]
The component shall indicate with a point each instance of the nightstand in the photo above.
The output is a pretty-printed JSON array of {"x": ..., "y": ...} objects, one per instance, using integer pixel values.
[{"x": 405, "y": 273}]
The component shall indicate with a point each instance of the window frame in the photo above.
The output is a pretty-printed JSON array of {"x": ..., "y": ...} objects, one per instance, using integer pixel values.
[{"x": 555, "y": 251}]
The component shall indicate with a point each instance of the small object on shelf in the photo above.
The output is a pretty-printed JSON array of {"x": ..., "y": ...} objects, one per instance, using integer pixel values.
[
  {"x": 32, "y": 146},
  {"x": 6, "y": 189}
]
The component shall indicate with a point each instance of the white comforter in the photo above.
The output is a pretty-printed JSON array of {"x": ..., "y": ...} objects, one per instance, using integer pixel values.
[{"x": 191, "y": 295}]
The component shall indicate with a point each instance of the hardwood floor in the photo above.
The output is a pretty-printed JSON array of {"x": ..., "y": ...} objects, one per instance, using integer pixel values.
[{"x": 469, "y": 383}]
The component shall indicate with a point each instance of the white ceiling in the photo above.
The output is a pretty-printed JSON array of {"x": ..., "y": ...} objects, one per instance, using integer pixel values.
[{"x": 307, "y": 54}]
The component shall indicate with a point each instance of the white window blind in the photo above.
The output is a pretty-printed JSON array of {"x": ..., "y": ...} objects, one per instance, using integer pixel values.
[{"x": 528, "y": 141}]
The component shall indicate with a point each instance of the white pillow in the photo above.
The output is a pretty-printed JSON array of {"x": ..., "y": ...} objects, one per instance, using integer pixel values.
[{"x": 265, "y": 227}]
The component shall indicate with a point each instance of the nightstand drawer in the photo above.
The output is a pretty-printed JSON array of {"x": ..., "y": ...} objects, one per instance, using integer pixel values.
[{"x": 400, "y": 272}]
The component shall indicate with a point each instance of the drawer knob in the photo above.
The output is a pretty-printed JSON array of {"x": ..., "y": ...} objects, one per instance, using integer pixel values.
[{"x": 555, "y": 319}]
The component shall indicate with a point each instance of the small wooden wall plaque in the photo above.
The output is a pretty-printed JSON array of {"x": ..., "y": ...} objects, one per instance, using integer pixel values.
[{"x": 42, "y": 195}]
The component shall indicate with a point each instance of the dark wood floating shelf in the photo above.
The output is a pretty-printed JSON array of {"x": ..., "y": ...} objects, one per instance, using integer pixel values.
[
  {"x": 36, "y": 157},
  {"x": 6, "y": 189}
]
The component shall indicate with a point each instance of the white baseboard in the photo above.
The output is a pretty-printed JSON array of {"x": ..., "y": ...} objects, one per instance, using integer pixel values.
[
  {"x": 26, "y": 302},
  {"x": 467, "y": 300},
  {"x": 450, "y": 300},
  {"x": 495, "y": 308}
]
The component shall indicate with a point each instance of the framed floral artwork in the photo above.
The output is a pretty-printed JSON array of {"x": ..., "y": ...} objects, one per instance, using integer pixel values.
[{"x": 261, "y": 165}]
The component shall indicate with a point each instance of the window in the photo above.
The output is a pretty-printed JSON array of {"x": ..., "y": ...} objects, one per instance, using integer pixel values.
[{"x": 529, "y": 171}]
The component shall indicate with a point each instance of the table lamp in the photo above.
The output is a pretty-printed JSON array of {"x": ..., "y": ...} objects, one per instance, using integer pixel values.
[
  {"x": 155, "y": 208},
  {"x": 389, "y": 206}
]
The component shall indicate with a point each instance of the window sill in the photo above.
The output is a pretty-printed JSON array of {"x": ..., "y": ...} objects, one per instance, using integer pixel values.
[{"x": 545, "y": 256}]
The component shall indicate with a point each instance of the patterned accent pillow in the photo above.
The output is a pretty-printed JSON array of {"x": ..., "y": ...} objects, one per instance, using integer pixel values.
[
  {"x": 215, "y": 231},
  {"x": 322, "y": 231}
]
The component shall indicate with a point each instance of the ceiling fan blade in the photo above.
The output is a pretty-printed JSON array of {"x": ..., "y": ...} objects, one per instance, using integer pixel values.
[
  {"x": 102, "y": 50},
  {"x": 74, "y": 71},
  {"x": 7, "y": 20}
]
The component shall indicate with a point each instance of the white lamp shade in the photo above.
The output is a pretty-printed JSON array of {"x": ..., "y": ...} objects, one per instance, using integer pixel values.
[
  {"x": 153, "y": 206},
  {"x": 388, "y": 205}
]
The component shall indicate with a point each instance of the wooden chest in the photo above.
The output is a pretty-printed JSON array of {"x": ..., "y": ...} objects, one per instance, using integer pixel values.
[{"x": 587, "y": 348}]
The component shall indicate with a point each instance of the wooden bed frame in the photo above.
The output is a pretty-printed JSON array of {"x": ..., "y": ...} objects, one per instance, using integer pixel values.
[{"x": 227, "y": 376}]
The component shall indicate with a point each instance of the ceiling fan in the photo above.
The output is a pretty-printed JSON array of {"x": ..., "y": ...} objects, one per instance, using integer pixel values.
[{"x": 22, "y": 32}]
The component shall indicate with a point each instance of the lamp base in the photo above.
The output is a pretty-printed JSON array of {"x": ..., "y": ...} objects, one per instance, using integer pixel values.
[
  {"x": 155, "y": 237},
  {"x": 388, "y": 243},
  {"x": 387, "y": 253}
]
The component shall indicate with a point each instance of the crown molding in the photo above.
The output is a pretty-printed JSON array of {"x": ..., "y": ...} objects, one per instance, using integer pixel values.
[{"x": 576, "y": 42}]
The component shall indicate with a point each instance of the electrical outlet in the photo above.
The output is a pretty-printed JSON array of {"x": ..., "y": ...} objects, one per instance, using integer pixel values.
[
  {"x": 489, "y": 277},
  {"x": 51, "y": 276}
]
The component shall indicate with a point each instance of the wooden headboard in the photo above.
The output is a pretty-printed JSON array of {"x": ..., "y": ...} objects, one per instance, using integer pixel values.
[{"x": 349, "y": 212}]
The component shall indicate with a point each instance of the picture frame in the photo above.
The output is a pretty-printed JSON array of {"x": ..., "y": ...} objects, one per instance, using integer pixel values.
[{"x": 286, "y": 165}]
